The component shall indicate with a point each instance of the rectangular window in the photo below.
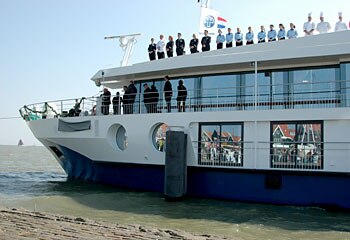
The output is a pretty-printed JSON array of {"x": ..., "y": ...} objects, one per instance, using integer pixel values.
[
  {"x": 315, "y": 87},
  {"x": 219, "y": 92},
  {"x": 221, "y": 144},
  {"x": 297, "y": 145}
]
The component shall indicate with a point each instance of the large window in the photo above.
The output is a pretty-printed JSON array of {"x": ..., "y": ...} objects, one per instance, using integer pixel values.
[
  {"x": 297, "y": 145},
  {"x": 345, "y": 84},
  {"x": 315, "y": 87},
  {"x": 219, "y": 92},
  {"x": 221, "y": 144}
]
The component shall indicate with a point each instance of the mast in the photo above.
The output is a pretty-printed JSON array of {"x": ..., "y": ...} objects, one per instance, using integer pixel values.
[{"x": 127, "y": 43}]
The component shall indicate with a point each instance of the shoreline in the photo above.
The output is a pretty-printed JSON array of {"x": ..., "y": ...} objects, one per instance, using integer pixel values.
[{"x": 24, "y": 224}]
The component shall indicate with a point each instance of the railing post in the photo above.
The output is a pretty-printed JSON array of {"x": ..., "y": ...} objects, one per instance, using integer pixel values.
[
  {"x": 140, "y": 106},
  {"x": 189, "y": 93},
  {"x": 217, "y": 99},
  {"x": 256, "y": 86}
]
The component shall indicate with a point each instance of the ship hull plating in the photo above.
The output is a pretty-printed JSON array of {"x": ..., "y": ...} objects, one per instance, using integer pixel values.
[{"x": 328, "y": 190}]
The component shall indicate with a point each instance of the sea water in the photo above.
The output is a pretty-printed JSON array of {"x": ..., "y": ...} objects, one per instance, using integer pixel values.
[{"x": 31, "y": 178}]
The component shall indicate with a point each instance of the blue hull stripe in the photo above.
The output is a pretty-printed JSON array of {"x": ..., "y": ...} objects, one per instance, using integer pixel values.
[{"x": 249, "y": 186}]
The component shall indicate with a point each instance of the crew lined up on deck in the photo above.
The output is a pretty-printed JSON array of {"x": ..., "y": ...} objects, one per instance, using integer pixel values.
[
  {"x": 158, "y": 49},
  {"x": 125, "y": 104}
]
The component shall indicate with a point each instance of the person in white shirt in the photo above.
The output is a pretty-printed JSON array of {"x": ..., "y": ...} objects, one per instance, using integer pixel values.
[
  {"x": 160, "y": 47},
  {"x": 340, "y": 26},
  {"x": 309, "y": 27},
  {"x": 323, "y": 27}
]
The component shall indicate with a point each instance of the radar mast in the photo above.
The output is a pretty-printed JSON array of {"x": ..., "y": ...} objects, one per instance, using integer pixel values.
[{"x": 127, "y": 43}]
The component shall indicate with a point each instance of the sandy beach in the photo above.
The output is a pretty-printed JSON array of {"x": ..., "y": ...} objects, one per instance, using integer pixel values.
[{"x": 24, "y": 224}]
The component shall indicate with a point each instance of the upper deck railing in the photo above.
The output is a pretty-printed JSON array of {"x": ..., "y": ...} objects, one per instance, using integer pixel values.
[{"x": 201, "y": 100}]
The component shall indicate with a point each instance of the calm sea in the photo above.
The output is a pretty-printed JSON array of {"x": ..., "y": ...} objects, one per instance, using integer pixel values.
[{"x": 31, "y": 178}]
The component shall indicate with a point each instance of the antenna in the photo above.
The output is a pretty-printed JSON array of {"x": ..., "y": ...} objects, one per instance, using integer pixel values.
[{"x": 127, "y": 43}]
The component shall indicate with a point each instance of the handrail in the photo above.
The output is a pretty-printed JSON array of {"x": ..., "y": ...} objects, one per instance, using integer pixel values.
[
  {"x": 296, "y": 155},
  {"x": 208, "y": 99}
]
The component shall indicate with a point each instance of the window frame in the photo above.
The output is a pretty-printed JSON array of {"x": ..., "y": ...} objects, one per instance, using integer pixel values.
[
  {"x": 296, "y": 123},
  {"x": 221, "y": 163}
]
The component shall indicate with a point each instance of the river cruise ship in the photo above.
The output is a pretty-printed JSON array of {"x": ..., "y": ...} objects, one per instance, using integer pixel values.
[{"x": 267, "y": 123}]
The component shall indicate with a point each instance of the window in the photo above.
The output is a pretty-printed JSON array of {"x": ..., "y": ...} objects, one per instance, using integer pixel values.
[
  {"x": 219, "y": 91},
  {"x": 297, "y": 145},
  {"x": 345, "y": 84},
  {"x": 315, "y": 87},
  {"x": 221, "y": 144},
  {"x": 159, "y": 136},
  {"x": 121, "y": 138}
]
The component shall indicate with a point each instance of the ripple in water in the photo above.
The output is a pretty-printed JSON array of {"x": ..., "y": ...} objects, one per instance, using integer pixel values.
[{"x": 31, "y": 178}]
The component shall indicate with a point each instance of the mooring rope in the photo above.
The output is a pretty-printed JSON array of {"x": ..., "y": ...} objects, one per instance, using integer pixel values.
[{"x": 6, "y": 118}]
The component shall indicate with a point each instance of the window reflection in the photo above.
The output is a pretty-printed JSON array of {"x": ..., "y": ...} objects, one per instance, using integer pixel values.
[
  {"x": 221, "y": 144},
  {"x": 317, "y": 85},
  {"x": 277, "y": 89},
  {"x": 219, "y": 91},
  {"x": 159, "y": 137},
  {"x": 297, "y": 145}
]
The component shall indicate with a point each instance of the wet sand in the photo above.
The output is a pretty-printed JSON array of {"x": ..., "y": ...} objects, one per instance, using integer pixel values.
[{"x": 24, "y": 224}]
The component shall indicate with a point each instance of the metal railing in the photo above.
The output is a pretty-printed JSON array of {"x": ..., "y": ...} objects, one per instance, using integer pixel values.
[
  {"x": 301, "y": 156},
  {"x": 201, "y": 100},
  {"x": 220, "y": 153}
]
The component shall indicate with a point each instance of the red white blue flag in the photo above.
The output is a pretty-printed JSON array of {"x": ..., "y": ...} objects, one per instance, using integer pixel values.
[{"x": 222, "y": 23}]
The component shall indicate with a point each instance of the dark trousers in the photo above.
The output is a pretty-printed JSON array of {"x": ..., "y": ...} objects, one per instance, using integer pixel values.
[
  {"x": 105, "y": 109},
  {"x": 116, "y": 109},
  {"x": 154, "y": 107},
  {"x": 261, "y": 41},
  {"x": 250, "y": 42},
  {"x": 282, "y": 38},
  {"x": 148, "y": 107},
  {"x": 272, "y": 40},
  {"x": 219, "y": 45},
  {"x": 168, "y": 104},
  {"x": 205, "y": 49},
  {"x": 239, "y": 43},
  {"x": 181, "y": 107},
  {"x": 193, "y": 50},
  {"x": 160, "y": 55},
  {"x": 179, "y": 51},
  {"x": 228, "y": 45},
  {"x": 128, "y": 108},
  {"x": 170, "y": 54},
  {"x": 152, "y": 56}
]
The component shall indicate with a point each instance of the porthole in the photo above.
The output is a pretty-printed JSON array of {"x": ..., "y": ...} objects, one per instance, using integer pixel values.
[
  {"x": 159, "y": 136},
  {"x": 121, "y": 138}
]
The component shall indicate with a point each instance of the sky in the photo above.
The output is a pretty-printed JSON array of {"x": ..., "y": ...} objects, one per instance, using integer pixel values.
[{"x": 49, "y": 50}]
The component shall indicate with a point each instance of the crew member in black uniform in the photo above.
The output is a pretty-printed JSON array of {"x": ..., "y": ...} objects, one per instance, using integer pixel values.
[
  {"x": 206, "y": 42},
  {"x": 147, "y": 97},
  {"x": 168, "y": 92},
  {"x": 194, "y": 44},
  {"x": 106, "y": 101},
  {"x": 181, "y": 97},
  {"x": 117, "y": 104},
  {"x": 170, "y": 47},
  {"x": 130, "y": 95},
  {"x": 152, "y": 50},
  {"x": 154, "y": 99},
  {"x": 180, "y": 45}
]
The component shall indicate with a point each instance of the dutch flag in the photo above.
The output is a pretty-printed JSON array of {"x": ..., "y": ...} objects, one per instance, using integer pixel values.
[{"x": 221, "y": 22}]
